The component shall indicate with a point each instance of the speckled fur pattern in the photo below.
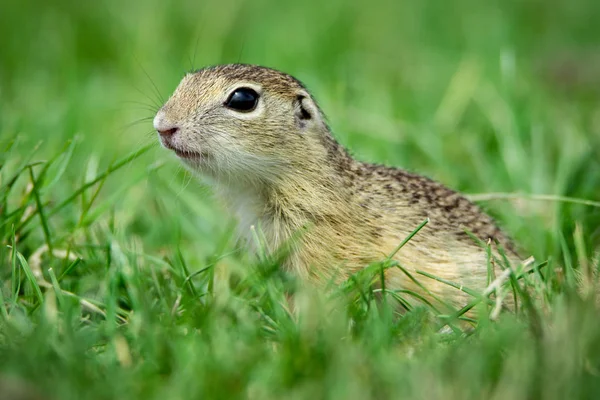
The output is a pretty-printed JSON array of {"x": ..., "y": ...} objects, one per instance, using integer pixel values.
[{"x": 280, "y": 169}]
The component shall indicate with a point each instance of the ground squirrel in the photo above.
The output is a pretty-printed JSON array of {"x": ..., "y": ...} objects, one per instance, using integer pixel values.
[{"x": 260, "y": 138}]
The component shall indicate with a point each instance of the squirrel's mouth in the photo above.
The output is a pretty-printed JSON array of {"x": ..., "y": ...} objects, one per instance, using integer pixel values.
[{"x": 185, "y": 154}]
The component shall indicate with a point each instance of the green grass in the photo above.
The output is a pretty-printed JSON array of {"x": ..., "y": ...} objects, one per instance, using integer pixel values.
[{"x": 114, "y": 261}]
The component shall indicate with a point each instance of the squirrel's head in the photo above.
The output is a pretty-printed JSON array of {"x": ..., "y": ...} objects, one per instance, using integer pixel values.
[{"x": 244, "y": 121}]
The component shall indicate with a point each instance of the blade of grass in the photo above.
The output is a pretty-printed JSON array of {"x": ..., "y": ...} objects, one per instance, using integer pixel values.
[
  {"x": 410, "y": 293},
  {"x": 188, "y": 277},
  {"x": 382, "y": 280},
  {"x": 16, "y": 272},
  {"x": 361, "y": 292},
  {"x": 69, "y": 268},
  {"x": 433, "y": 296},
  {"x": 86, "y": 206},
  {"x": 420, "y": 285},
  {"x": 534, "y": 317},
  {"x": 30, "y": 277},
  {"x": 3, "y": 310},
  {"x": 567, "y": 264},
  {"x": 408, "y": 238},
  {"x": 462, "y": 288},
  {"x": 488, "y": 261},
  {"x": 41, "y": 213},
  {"x": 533, "y": 197},
  {"x": 57, "y": 290},
  {"x": 9, "y": 145},
  {"x": 5, "y": 189},
  {"x": 494, "y": 286}
]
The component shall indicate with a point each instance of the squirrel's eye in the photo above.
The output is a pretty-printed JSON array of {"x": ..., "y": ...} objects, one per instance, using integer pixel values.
[{"x": 243, "y": 99}]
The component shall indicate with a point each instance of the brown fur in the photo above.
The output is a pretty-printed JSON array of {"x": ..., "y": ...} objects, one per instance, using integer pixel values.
[{"x": 284, "y": 173}]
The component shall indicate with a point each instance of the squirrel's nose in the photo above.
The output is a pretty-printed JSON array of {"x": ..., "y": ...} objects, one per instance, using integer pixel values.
[{"x": 163, "y": 126}]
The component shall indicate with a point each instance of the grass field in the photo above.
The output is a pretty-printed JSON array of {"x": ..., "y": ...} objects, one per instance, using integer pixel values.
[{"x": 109, "y": 249}]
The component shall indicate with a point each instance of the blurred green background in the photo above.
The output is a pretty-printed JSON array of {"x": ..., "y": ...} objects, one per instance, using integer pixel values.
[{"x": 486, "y": 97}]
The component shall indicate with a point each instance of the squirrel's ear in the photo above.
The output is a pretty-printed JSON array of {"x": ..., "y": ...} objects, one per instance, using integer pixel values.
[{"x": 306, "y": 111}]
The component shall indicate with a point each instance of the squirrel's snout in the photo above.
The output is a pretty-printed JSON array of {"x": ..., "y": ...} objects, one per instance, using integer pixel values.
[{"x": 163, "y": 126}]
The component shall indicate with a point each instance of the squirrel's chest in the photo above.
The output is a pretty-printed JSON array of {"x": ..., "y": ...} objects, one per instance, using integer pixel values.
[{"x": 258, "y": 219}]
